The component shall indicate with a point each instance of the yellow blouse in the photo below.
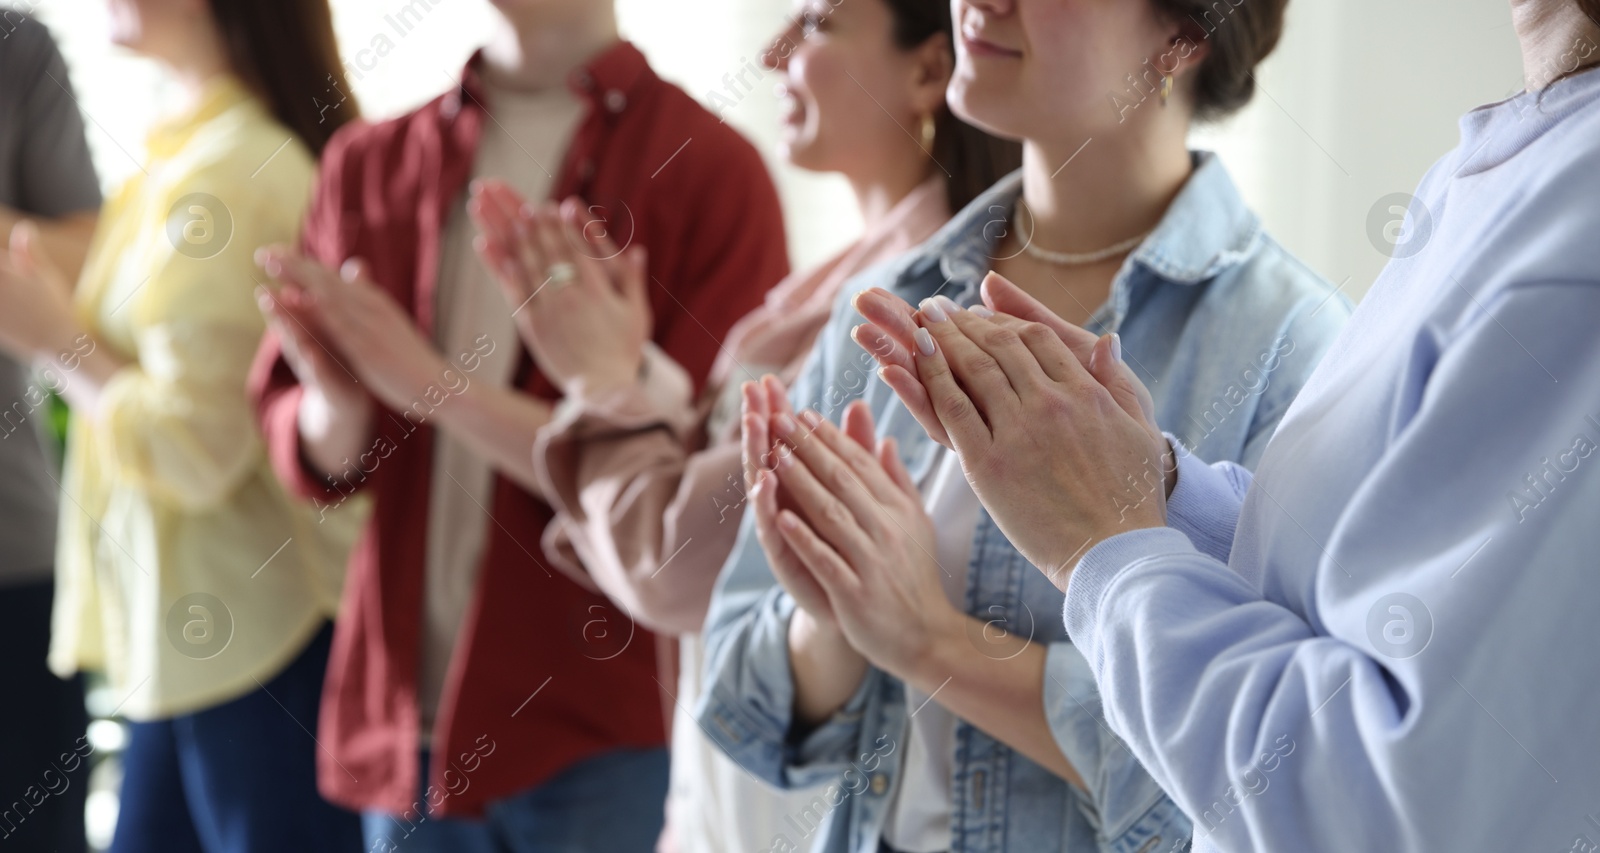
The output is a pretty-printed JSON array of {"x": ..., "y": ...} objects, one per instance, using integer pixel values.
[{"x": 184, "y": 570}]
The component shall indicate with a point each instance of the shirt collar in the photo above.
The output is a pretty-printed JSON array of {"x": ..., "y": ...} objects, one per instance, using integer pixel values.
[
  {"x": 1206, "y": 230},
  {"x": 219, "y": 94},
  {"x": 608, "y": 79}
]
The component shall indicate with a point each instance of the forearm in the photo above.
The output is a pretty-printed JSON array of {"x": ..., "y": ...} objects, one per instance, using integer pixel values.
[
  {"x": 827, "y": 670},
  {"x": 499, "y": 425},
  {"x": 999, "y": 689}
]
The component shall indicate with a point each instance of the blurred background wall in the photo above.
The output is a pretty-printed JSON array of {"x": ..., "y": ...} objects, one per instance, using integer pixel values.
[{"x": 1360, "y": 98}]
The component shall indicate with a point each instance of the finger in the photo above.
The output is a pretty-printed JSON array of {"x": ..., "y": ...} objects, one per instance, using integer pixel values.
[
  {"x": 1106, "y": 365},
  {"x": 582, "y": 252},
  {"x": 889, "y": 458},
  {"x": 892, "y": 315},
  {"x": 802, "y": 586},
  {"x": 635, "y": 284},
  {"x": 854, "y": 451},
  {"x": 551, "y": 240},
  {"x": 908, "y": 387},
  {"x": 979, "y": 372},
  {"x": 957, "y": 413},
  {"x": 857, "y": 423},
  {"x": 528, "y": 249},
  {"x": 883, "y": 347},
  {"x": 1007, "y": 298},
  {"x": 777, "y": 396},
  {"x": 835, "y": 576},
  {"x": 1058, "y": 362},
  {"x": 1004, "y": 343},
  {"x": 756, "y": 447},
  {"x": 833, "y": 499}
]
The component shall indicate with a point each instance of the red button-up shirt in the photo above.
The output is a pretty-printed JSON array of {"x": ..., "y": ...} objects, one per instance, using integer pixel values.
[{"x": 546, "y": 672}]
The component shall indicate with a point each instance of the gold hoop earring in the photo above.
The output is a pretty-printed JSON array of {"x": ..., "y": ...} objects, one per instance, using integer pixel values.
[
  {"x": 1166, "y": 88},
  {"x": 929, "y": 130}
]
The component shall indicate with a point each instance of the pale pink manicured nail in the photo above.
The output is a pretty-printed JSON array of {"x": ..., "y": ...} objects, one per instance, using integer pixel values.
[
  {"x": 933, "y": 311},
  {"x": 949, "y": 305},
  {"x": 1116, "y": 347},
  {"x": 785, "y": 425},
  {"x": 981, "y": 311},
  {"x": 924, "y": 342},
  {"x": 810, "y": 418}
]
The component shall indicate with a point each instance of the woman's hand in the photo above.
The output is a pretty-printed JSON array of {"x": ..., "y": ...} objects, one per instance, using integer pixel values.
[
  {"x": 581, "y": 304},
  {"x": 341, "y": 326},
  {"x": 890, "y": 331},
  {"x": 1063, "y": 456},
  {"x": 766, "y": 405},
  {"x": 36, "y": 313},
  {"x": 859, "y": 530}
]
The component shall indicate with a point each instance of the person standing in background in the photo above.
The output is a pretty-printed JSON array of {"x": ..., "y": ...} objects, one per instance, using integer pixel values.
[
  {"x": 184, "y": 571},
  {"x": 480, "y": 699},
  {"x": 46, "y": 178},
  {"x": 641, "y": 473}
]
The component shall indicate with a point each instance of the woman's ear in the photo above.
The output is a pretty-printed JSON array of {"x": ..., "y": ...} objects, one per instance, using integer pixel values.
[
  {"x": 935, "y": 64},
  {"x": 1186, "y": 48}
]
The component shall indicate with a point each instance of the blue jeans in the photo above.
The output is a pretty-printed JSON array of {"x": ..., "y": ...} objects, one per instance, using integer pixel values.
[
  {"x": 612, "y": 803},
  {"x": 237, "y": 778}
]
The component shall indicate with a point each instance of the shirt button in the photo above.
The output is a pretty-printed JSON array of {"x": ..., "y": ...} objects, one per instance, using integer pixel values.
[
  {"x": 451, "y": 105},
  {"x": 616, "y": 101},
  {"x": 880, "y": 784}
]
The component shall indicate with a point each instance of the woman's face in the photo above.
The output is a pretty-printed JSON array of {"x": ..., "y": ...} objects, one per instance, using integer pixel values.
[
  {"x": 1057, "y": 70},
  {"x": 850, "y": 95}
]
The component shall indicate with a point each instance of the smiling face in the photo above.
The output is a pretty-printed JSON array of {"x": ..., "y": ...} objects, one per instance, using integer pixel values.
[
  {"x": 849, "y": 93},
  {"x": 1048, "y": 70}
]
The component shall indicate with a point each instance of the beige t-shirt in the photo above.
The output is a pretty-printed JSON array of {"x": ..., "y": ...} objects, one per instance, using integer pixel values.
[{"x": 524, "y": 141}]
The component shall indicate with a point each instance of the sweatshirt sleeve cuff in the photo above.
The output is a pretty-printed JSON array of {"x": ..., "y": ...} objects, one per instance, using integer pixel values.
[
  {"x": 1101, "y": 567},
  {"x": 1204, "y": 504}
]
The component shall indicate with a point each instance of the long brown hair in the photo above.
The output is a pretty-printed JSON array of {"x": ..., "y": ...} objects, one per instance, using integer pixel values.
[
  {"x": 974, "y": 159},
  {"x": 285, "y": 51},
  {"x": 1592, "y": 9}
]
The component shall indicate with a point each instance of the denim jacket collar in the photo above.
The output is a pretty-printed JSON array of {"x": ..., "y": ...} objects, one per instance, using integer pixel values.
[{"x": 1206, "y": 231}]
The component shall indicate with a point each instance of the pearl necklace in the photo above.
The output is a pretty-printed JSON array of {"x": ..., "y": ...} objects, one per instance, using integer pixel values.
[{"x": 1077, "y": 259}]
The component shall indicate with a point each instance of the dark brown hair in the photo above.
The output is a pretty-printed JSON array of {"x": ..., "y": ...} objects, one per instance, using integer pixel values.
[
  {"x": 1592, "y": 9},
  {"x": 1241, "y": 33},
  {"x": 974, "y": 160},
  {"x": 284, "y": 50}
]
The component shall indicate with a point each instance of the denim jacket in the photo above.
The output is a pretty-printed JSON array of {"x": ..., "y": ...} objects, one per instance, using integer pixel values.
[{"x": 1224, "y": 326}]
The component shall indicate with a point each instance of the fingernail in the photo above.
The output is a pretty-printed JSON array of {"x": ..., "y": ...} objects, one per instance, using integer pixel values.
[
  {"x": 948, "y": 304},
  {"x": 1116, "y": 347},
  {"x": 810, "y": 418},
  {"x": 981, "y": 311},
  {"x": 924, "y": 341},
  {"x": 784, "y": 424},
  {"x": 933, "y": 311},
  {"x": 787, "y": 521}
]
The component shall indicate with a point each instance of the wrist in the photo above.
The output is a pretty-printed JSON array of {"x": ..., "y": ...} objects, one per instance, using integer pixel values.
[{"x": 937, "y": 657}]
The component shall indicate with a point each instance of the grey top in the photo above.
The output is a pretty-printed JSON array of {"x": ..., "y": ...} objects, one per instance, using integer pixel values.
[{"x": 44, "y": 171}]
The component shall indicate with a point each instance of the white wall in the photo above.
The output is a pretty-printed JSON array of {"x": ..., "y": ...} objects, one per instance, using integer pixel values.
[{"x": 1361, "y": 97}]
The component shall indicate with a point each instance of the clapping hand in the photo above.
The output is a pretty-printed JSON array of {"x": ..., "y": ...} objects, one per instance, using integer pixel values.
[
  {"x": 581, "y": 304},
  {"x": 1055, "y": 433}
]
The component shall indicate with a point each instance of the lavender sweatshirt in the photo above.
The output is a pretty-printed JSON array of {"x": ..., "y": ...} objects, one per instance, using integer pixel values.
[{"x": 1385, "y": 640}]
